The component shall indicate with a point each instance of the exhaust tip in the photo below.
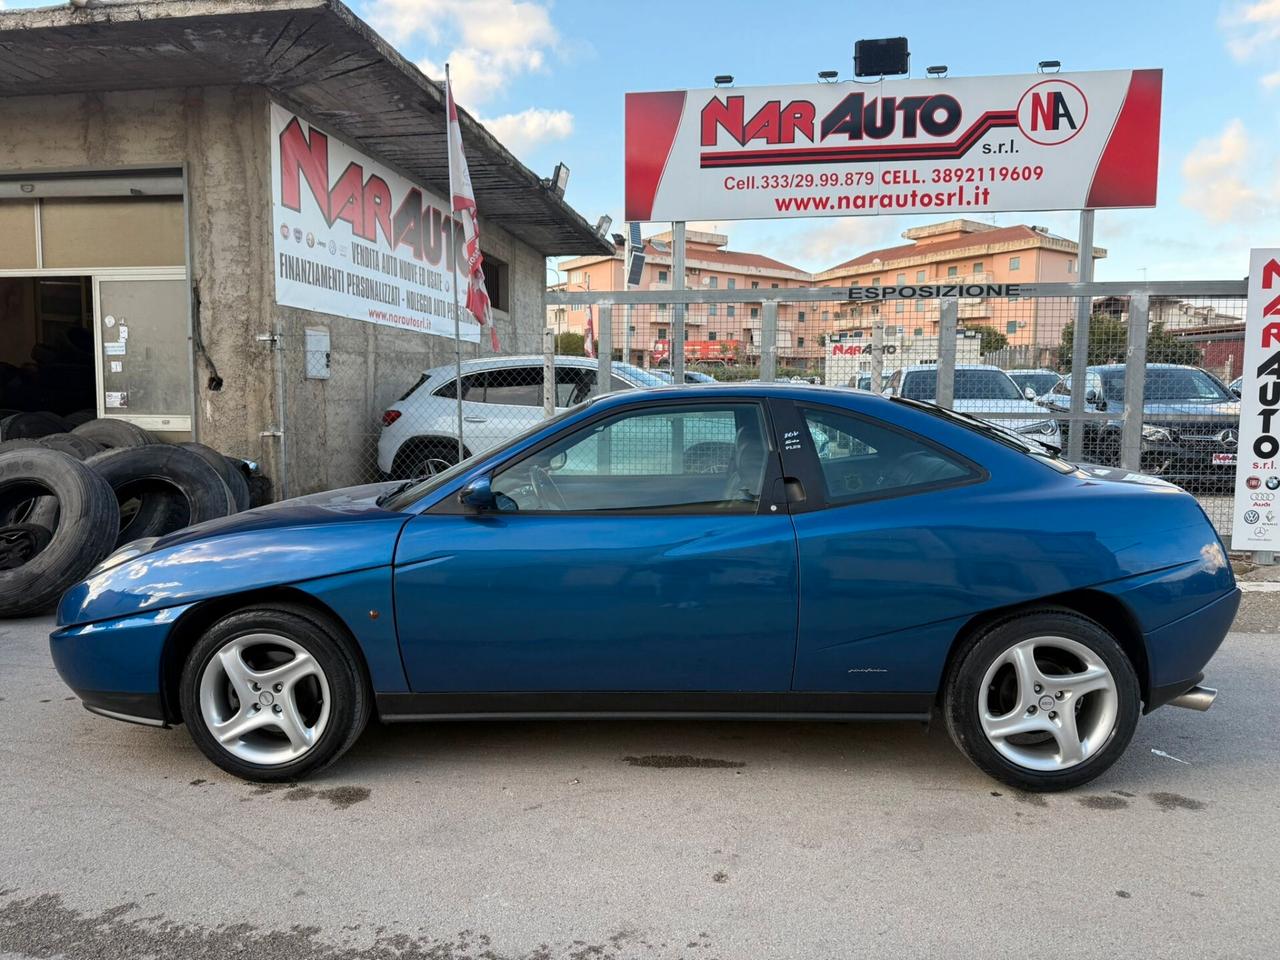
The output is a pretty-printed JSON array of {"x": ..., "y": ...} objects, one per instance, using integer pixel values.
[{"x": 1198, "y": 697}]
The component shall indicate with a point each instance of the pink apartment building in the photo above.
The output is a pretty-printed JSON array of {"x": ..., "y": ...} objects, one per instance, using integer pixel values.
[
  {"x": 965, "y": 251},
  {"x": 715, "y": 332},
  {"x": 953, "y": 251}
]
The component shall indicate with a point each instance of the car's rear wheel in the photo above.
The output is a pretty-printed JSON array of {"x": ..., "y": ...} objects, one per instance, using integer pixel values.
[
  {"x": 274, "y": 693},
  {"x": 1046, "y": 700}
]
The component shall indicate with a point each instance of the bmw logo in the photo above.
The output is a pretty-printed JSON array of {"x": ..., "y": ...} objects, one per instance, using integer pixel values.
[
  {"x": 1273, "y": 483},
  {"x": 1251, "y": 516}
]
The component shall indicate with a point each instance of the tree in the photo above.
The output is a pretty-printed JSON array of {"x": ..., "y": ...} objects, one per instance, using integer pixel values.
[
  {"x": 1109, "y": 337},
  {"x": 992, "y": 339},
  {"x": 571, "y": 345}
]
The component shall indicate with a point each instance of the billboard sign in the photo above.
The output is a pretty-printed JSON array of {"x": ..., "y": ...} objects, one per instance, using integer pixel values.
[
  {"x": 355, "y": 239},
  {"x": 968, "y": 145},
  {"x": 1256, "y": 517}
]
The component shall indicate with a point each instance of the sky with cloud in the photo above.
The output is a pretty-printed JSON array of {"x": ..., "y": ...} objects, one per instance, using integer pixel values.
[{"x": 548, "y": 77}]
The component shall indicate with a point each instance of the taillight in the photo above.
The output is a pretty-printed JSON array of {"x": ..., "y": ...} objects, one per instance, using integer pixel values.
[{"x": 389, "y": 417}]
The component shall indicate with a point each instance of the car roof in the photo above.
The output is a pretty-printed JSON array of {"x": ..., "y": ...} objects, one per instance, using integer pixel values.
[
  {"x": 743, "y": 389},
  {"x": 1053, "y": 373},
  {"x": 959, "y": 366},
  {"x": 1150, "y": 366},
  {"x": 520, "y": 360}
]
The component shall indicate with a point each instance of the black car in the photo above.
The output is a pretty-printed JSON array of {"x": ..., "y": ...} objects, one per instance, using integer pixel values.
[{"x": 1190, "y": 423}]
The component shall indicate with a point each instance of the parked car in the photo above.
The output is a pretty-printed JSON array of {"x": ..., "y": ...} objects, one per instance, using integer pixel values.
[
  {"x": 1040, "y": 382},
  {"x": 1191, "y": 422},
  {"x": 1236, "y": 385},
  {"x": 984, "y": 391},
  {"x": 852, "y": 556},
  {"x": 690, "y": 376},
  {"x": 501, "y": 397}
]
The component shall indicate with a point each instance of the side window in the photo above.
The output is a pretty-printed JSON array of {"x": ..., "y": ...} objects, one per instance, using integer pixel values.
[
  {"x": 861, "y": 459},
  {"x": 573, "y": 385},
  {"x": 694, "y": 459},
  {"x": 520, "y": 386}
]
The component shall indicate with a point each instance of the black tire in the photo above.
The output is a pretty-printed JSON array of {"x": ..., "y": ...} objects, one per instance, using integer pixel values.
[
  {"x": 85, "y": 532},
  {"x": 78, "y": 417},
  {"x": 961, "y": 696},
  {"x": 260, "y": 490},
  {"x": 172, "y": 488},
  {"x": 114, "y": 434},
  {"x": 31, "y": 425},
  {"x": 350, "y": 700},
  {"x": 38, "y": 510},
  {"x": 227, "y": 470},
  {"x": 423, "y": 456},
  {"x": 72, "y": 444}
]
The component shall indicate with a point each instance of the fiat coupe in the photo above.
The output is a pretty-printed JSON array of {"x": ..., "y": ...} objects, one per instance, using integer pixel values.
[{"x": 733, "y": 551}]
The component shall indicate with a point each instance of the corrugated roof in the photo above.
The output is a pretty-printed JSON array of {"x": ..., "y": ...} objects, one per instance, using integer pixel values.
[{"x": 315, "y": 55}]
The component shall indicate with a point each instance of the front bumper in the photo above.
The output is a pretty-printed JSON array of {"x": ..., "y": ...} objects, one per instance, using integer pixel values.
[{"x": 116, "y": 667}]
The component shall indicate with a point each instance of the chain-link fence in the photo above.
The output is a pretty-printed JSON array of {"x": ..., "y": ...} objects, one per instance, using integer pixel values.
[{"x": 1154, "y": 395}]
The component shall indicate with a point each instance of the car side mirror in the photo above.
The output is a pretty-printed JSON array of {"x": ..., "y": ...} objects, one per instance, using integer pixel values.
[
  {"x": 1029, "y": 393},
  {"x": 478, "y": 494},
  {"x": 1235, "y": 392}
]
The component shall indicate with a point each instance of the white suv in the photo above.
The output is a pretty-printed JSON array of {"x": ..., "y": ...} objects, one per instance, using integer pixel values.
[{"x": 501, "y": 397}]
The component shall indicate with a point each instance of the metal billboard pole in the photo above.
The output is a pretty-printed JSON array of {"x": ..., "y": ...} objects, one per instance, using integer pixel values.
[
  {"x": 453, "y": 270},
  {"x": 677, "y": 314},
  {"x": 1080, "y": 340}
]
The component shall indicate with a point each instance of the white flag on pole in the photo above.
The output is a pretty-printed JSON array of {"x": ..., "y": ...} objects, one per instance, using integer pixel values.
[{"x": 464, "y": 210}]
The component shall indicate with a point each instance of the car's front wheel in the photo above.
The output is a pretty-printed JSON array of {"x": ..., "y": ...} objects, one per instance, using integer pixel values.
[
  {"x": 1046, "y": 700},
  {"x": 273, "y": 693}
]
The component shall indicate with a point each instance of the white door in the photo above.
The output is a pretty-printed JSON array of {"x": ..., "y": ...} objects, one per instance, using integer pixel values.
[{"x": 142, "y": 332}]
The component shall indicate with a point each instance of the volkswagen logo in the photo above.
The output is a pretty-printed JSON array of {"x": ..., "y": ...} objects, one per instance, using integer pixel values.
[
  {"x": 1251, "y": 516},
  {"x": 1229, "y": 437}
]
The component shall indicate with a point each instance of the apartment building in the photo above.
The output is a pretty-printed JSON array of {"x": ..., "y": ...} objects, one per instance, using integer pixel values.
[
  {"x": 714, "y": 332},
  {"x": 964, "y": 251}
]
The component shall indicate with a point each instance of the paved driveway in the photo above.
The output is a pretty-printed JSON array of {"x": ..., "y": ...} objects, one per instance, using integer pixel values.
[{"x": 638, "y": 839}]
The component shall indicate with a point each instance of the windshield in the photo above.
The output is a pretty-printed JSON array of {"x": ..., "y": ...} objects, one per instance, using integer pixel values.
[
  {"x": 970, "y": 385},
  {"x": 636, "y": 375},
  {"x": 1041, "y": 383},
  {"x": 1169, "y": 384},
  {"x": 415, "y": 490}
]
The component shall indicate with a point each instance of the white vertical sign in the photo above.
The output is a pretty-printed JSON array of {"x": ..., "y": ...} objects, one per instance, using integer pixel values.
[{"x": 1257, "y": 496}]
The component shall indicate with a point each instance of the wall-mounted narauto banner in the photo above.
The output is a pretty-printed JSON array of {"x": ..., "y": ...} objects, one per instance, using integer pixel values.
[
  {"x": 355, "y": 239},
  {"x": 965, "y": 145},
  {"x": 1257, "y": 513}
]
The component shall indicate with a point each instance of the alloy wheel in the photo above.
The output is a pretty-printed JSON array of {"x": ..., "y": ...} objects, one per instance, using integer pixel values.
[
  {"x": 1048, "y": 703},
  {"x": 265, "y": 699}
]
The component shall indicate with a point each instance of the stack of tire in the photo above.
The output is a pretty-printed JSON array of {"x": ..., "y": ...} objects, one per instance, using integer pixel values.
[{"x": 72, "y": 492}]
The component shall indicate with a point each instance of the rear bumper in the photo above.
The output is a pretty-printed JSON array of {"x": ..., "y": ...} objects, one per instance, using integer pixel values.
[{"x": 1179, "y": 651}]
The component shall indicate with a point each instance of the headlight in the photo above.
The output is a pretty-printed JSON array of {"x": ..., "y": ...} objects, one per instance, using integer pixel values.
[
  {"x": 1158, "y": 434},
  {"x": 130, "y": 550},
  {"x": 1040, "y": 426}
]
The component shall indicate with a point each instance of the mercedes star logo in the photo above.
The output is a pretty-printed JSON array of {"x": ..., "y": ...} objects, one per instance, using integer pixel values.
[{"x": 1229, "y": 437}]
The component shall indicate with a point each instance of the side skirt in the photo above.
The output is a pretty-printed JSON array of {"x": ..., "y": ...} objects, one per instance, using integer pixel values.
[{"x": 405, "y": 707}]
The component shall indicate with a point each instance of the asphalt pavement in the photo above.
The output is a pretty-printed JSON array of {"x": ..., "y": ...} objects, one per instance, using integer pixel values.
[{"x": 601, "y": 840}]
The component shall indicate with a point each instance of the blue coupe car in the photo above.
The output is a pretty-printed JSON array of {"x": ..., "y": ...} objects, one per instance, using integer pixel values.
[{"x": 758, "y": 550}]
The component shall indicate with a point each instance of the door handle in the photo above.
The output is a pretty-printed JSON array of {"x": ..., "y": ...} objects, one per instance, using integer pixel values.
[
  {"x": 794, "y": 489},
  {"x": 476, "y": 419}
]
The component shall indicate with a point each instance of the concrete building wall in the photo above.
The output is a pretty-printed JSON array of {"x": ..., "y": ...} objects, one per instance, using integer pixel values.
[
  {"x": 221, "y": 135},
  {"x": 211, "y": 131}
]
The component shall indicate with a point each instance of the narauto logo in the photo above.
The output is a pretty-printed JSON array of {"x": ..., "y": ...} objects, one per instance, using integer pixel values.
[{"x": 1052, "y": 112}]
